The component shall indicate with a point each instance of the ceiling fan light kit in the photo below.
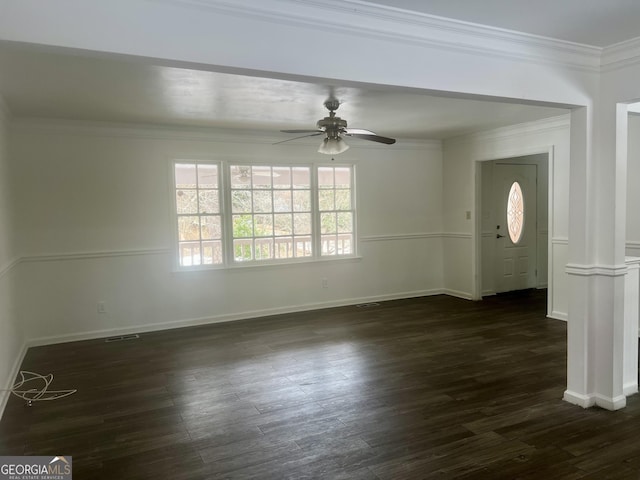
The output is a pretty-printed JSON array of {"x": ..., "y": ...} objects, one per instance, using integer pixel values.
[
  {"x": 334, "y": 128},
  {"x": 333, "y": 146}
]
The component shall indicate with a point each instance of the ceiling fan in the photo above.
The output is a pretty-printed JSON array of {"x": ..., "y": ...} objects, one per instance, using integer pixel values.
[{"x": 334, "y": 128}]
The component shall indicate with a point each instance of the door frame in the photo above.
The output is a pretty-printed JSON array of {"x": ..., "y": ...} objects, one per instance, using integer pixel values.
[{"x": 477, "y": 224}]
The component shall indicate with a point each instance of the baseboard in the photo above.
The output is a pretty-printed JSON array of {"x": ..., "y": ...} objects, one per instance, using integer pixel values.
[
  {"x": 630, "y": 389},
  {"x": 457, "y": 293},
  {"x": 5, "y": 393},
  {"x": 192, "y": 322},
  {"x": 559, "y": 316},
  {"x": 584, "y": 401},
  {"x": 609, "y": 403}
]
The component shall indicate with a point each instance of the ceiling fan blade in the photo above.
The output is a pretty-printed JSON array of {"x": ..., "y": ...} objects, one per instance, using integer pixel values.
[
  {"x": 358, "y": 131},
  {"x": 303, "y": 136},
  {"x": 302, "y": 131},
  {"x": 373, "y": 138}
]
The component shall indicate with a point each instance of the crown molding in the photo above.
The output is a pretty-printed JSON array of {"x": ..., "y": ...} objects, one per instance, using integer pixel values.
[
  {"x": 364, "y": 19},
  {"x": 621, "y": 55},
  {"x": 529, "y": 128}
]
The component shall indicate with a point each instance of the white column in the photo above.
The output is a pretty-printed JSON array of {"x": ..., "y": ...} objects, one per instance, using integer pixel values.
[
  {"x": 631, "y": 325},
  {"x": 595, "y": 345}
]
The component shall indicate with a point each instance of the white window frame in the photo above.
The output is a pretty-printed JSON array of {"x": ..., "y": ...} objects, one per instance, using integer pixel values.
[
  {"x": 224, "y": 186},
  {"x": 176, "y": 216}
]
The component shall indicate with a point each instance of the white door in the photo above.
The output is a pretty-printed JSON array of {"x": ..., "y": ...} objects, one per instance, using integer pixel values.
[{"x": 516, "y": 230}]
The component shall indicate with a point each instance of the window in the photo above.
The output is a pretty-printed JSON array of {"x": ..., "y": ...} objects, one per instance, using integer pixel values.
[
  {"x": 198, "y": 213},
  {"x": 241, "y": 213},
  {"x": 336, "y": 213},
  {"x": 271, "y": 212},
  {"x": 515, "y": 213}
]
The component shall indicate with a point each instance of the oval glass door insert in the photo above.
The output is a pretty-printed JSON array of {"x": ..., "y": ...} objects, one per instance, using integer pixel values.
[{"x": 515, "y": 213}]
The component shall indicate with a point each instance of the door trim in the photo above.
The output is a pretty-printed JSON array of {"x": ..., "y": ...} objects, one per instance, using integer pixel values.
[{"x": 476, "y": 253}]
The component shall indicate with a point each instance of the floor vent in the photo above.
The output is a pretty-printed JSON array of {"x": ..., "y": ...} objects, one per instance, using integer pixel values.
[
  {"x": 368, "y": 305},
  {"x": 121, "y": 338}
]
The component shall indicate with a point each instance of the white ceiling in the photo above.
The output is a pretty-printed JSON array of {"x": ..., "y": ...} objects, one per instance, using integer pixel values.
[
  {"x": 79, "y": 87},
  {"x": 598, "y": 23},
  {"x": 50, "y": 83}
]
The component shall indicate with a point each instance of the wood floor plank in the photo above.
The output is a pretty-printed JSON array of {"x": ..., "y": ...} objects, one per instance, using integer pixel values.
[{"x": 433, "y": 387}]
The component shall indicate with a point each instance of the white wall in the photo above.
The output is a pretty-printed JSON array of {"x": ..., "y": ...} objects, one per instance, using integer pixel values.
[
  {"x": 633, "y": 187},
  {"x": 94, "y": 225},
  {"x": 11, "y": 337},
  {"x": 460, "y": 190}
]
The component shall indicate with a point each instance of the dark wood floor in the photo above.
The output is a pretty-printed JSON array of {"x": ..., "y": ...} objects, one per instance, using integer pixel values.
[{"x": 423, "y": 388}]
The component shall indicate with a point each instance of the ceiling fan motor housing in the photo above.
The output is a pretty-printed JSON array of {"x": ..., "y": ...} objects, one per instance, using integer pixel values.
[{"x": 332, "y": 125}]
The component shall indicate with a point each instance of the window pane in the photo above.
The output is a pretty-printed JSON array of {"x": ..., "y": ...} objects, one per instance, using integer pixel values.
[
  {"x": 240, "y": 176},
  {"x": 186, "y": 201},
  {"x": 282, "y": 201},
  {"x": 281, "y": 177},
  {"x": 343, "y": 177},
  {"x": 325, "y": 177},
  {"x": 302, "y": 246},
  {"x": 262, "y": 201},
  {"x": 210, "y": 228},
  {"x": 207, "y": 176},
  {"x": 345, "y": 222},
  {"x": 261, "y": 177},
  {"x": 283, "y": 248},
  {"x": 301, "y": 200},
  {"x": 345, "y": 244},
  {"x": 328, "y": 223},
  {"x": 343, "y": 199},
  {"x": 189, "y": 253},
  {"x": 209, "y": 201},
  {"x": 242, "y": 226},
  {"x": 263, "y": 225},
  {"x": 302, "y": 223},
  {"x": 325, "y": 198},
  {"x": 301, "y": 177},
  {"x": 329, "y": 245},
  {"x": 243, "y": 250},
  {"x": 211, "y": 253},
  {"x": 283, "y": 224},
  {"x": 188, "y": 228},
  {"x": 185, "y": 175},
  {"x": 241, "y": 201},
  {"x": 264, "y": 249}
]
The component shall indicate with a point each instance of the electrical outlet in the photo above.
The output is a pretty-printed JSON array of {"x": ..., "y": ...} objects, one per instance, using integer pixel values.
[
  {"x": 468, "y": 215},
  {"x": 325, "y": 283},
  {"x": 102, "y": 307}
]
